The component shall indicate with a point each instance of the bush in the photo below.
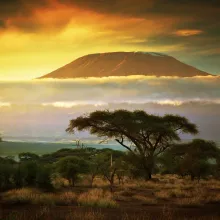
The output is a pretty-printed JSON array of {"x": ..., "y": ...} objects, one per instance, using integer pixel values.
[
  {"x": 34, "y": 196},
  {"x": 70, "y": 167},
  {"x": 97, "y": 198},
  {"x": 20, "y": 196},
  {"x": 30, "y": 173},
  {"x": 6, "y": 173},
  {"x": 43, "y": 178},
  {"x": 66, "y": 198}
]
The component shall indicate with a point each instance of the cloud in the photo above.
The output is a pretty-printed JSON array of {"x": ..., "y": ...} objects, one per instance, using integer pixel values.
[
  {"x": 186, "y": 33},
  {"x": 72, "y": 104},
  {"x": 44, "y": 108},
  {"x": 36, "y": 120},
  {"x": 5, "y": 104},
  {"x": 40, "y": 36},
  {"x": 133, "y": 89}
]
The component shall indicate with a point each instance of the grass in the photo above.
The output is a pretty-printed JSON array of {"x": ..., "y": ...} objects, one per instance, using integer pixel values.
[
  {"x": 89, "y": 215},
  {"x": 97, "y": 198},
  {"x": 164, "y": 194},
  {"x": 66, "y": 198},
  {"x": 180, "y": 193},
  {"x": 49, "y": 214},
  {"x": 59, "y": 182},
  {"x": 146, "y": 200},
  {"x": 170, "y": 190},
  {"x": 33, "y": 196},
  {"x": 191, "y": 202},
  {"x": 20, "y": 196}
]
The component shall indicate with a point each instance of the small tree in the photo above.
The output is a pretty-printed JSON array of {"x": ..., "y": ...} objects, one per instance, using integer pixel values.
[
  {"x": 29, "y": 170},
  {"x": 43, "y": 178},
  {"x": 19, "y": 176},
  {"x": 95, "y": 165},
  {"x": 144, "y": 135},
  {"x": 110, "y": 163},
  {"x": 122, "y": 170},
  {"x": 70, "y": 167},
  {"x": 108, "y": 172},
  {"x": 193, "y": 158},
  {"x": 6, "y": 173}
]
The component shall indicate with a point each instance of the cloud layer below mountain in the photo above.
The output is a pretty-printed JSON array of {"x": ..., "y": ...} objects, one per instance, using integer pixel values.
[
  {"x": 35, "y": 108},
  {"x": 133, "y": 89}
]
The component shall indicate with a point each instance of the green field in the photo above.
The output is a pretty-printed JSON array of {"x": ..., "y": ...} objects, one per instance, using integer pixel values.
[{"x": 14, "y": 148}]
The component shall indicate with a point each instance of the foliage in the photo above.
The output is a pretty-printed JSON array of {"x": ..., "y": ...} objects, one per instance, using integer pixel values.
[
  {"x": 144, "y": 135},
  {"x": 43, "y": 177},
  {"x": 30, "y": 170},
  {"x": 196, "y": 158},
  {"x": 6, "y": 173},
  {"x": 71, "y": 166},
  {"x": 23, "y": 157}
]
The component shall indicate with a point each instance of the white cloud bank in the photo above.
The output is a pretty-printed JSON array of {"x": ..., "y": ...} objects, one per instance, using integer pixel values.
[
  {"x": 45, "y": 107},
  {"x": 137, "y": 89}
]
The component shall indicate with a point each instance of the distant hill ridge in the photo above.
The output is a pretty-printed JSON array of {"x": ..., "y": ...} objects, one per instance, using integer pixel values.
[{"x": 125, "y": 64}]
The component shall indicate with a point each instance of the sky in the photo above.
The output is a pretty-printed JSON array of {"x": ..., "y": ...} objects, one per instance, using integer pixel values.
[{"x": 37, "y": 37}]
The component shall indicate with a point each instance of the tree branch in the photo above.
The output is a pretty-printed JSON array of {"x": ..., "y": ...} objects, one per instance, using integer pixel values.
[{"x": 122, "y": 143}]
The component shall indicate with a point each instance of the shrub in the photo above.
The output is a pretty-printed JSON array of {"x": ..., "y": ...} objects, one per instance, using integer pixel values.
[
  {"x": 97, "y": 198},
  {"x": 191, "y": 202},
  {"x": 33, "y": 196},
  {"x": 43, "y": 178},
  {"x": 44, "y": 199},
  {"x": 179, "y": 193},
  {"x": 24, "y": 195},
  {"x": 163, "y": 194},
  {"x": 71, "y": 166},
  {"x": 58, "y": 182},
  {"x": 66, "y": 198}
]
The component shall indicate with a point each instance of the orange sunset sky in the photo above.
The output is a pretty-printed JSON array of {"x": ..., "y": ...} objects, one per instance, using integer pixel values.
[{"x": 37, "y": 37}]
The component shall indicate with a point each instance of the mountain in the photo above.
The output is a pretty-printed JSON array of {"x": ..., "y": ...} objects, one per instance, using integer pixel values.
[{"x": 125, "y": 64}]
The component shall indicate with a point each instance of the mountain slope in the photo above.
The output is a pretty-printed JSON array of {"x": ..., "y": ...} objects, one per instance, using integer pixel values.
[{"x": 125, "y": 64}]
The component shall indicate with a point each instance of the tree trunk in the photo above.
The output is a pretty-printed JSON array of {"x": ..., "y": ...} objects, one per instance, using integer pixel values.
[
  {"x": 148, "y": 175},
  {"x": 73, "y": 182},
  {"x": 112, "y": 182},
  {"x": 92, "y": 179},
  {"x": 119, "y": 181},
  {"x": 192, "y": 177},
  {"x": 148, "y": 163}
]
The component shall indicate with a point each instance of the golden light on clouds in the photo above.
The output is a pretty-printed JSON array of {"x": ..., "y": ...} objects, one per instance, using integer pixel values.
[
  {"x": 37, "y": 37},
  {"x": 186, "y": 33},
  {"x": 61, "y": 34}
]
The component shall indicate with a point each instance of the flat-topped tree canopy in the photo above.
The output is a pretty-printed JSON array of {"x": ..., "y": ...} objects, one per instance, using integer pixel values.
[{"x": 144, "y": 135}]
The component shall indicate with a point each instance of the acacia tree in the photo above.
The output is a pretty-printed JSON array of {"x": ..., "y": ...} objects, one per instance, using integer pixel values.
[
  {"x": 70, "y": 167},
  {"x": 197, "y": 158},
  {"x": 144, "y": 135},
  {"x": 108, "y": 170}
]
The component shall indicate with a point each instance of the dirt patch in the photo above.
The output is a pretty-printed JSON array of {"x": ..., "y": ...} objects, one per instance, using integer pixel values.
[{"x": 33, "y": 212}]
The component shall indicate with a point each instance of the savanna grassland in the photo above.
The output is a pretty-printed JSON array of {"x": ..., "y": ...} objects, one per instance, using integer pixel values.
[
  {"x": 157, "y": 176},
  {"x": 36, "y": 190},
  {"x": 165, "y": 197}
]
